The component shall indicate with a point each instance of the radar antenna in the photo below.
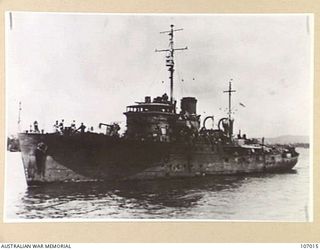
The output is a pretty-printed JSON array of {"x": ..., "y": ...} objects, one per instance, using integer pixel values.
[{"x": 170, "y": 56}]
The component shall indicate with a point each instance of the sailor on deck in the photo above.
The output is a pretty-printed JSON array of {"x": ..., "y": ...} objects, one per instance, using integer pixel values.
[
  {"x": 73, "y": 126},
  {"x": 36, "y": 128},
  {"x": 56, "y": 127},
  {"x": 82, "y": 128},
  {"x": 61, "y": 126}
]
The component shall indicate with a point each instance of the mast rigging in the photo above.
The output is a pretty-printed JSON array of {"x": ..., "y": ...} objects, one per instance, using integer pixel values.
[{"x": 170, "y": 56}]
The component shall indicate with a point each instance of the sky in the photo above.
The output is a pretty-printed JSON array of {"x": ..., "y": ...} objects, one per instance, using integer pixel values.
[{"x": 89, "y": 67}]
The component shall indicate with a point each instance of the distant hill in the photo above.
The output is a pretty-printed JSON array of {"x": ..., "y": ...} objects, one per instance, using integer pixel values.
[{"x": 288, "y": 139}]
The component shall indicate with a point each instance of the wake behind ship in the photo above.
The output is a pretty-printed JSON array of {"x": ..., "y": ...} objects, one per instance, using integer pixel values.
[{"x": 159, "y": 142}]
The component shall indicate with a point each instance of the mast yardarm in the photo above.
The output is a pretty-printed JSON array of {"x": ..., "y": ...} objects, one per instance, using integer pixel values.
[{"x": 170, "y": 56}]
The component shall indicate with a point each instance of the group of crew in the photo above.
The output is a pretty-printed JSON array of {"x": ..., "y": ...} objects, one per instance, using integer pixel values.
[{"x": 60, "y": 128}]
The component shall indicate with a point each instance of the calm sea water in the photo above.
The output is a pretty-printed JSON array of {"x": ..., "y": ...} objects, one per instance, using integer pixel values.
[{"x": 262, "y": 197}]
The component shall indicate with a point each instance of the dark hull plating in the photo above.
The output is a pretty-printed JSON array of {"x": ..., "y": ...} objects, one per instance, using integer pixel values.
[{"x": 95, "y": 157}]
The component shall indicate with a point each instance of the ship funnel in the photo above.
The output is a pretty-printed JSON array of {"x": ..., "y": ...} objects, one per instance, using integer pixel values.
[{"x": 189, "y": 105}]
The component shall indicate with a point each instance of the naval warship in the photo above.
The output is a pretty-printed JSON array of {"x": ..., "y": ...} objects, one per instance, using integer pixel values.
[{"x": 160, "y": 141}]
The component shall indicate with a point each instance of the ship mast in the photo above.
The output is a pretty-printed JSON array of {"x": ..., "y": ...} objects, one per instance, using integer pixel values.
[
  {"x": 230, "y": 90},
  {"x": 19, "y": 117},
  {"x": 170, "y": 56}
]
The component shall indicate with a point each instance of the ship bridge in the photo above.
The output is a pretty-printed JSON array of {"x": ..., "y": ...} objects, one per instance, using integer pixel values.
[
  {"x": 150, "y": 120},
  {"x": 159, "y": 104},
  {"x": 151, "y": 108}
]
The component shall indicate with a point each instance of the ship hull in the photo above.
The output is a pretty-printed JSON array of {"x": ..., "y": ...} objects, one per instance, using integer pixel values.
[{"x": 95, "y": 157}]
